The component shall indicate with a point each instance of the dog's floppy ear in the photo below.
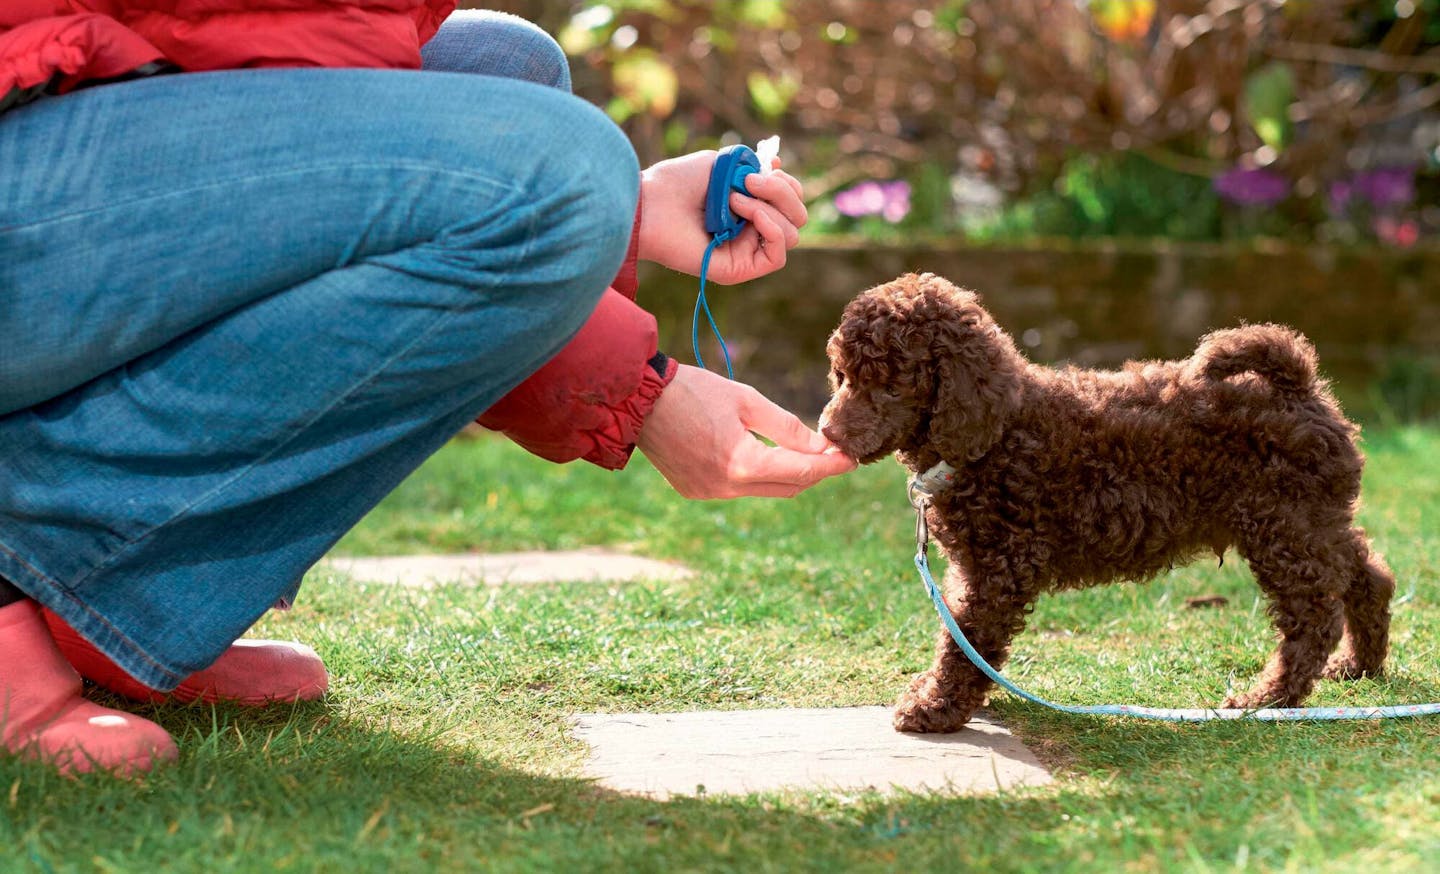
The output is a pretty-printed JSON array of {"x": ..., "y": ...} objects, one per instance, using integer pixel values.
[{"x": 976, "y": 381}]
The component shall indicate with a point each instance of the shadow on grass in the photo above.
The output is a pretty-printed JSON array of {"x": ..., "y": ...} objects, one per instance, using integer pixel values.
[{"x": 307, "y": 789}]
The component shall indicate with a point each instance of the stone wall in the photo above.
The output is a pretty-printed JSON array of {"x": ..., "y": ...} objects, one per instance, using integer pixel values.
[{"x": 1374, "y": 315}]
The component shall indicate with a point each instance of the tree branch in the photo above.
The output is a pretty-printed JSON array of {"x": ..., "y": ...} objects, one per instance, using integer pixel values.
[{"x": 1371, "y": 60}]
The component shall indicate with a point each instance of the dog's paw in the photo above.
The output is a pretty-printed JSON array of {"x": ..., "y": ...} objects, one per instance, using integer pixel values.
[
  {"x": 924, "y": 708},
  {"x": 1344, "y": 666},
  {"x": 1256, "y": 699}
]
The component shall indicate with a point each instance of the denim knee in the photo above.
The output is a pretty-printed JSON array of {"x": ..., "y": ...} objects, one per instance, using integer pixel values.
[
  {"x": 595, "y": 172},
  {"x": 613, "y": 186},
  {"x": 557, "y": 224},
  {"x": 497, "y": 44}
]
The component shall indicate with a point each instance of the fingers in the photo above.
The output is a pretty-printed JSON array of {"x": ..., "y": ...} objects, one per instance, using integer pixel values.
[
  {"x": 799, "y": 458},
  {"x": 794, "y": 185},
  {"x": 766, "y": 418},
  {"x": 768, "y": 490},
  {"x": 759, "y": 466},
  {"x": 787, "y": 236},
  {"x": 701, "y": 437},
  {"x": 773, "y": 247},
  {"x": 731, "y": 490},
  {"x": 781, "y": 191},
  {"x": 759, "y": 250}
]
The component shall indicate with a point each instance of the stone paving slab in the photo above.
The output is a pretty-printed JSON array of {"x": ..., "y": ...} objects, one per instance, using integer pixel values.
[
  {"x": 509, "y": 568},
  {"x": 853, "y": 748}
]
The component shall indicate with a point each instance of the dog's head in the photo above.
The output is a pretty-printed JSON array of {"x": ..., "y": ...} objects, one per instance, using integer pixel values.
[{"x": 918, "y": 362}]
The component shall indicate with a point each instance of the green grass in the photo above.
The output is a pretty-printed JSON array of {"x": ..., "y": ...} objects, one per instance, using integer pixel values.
[{"x": 443, "y": 744}]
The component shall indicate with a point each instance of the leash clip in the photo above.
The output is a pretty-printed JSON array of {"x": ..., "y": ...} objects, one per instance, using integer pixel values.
[
  {"x": 922, "y": 488},
  {"x": 922, "y": 528},
  {"x": 925, "y": 485}
]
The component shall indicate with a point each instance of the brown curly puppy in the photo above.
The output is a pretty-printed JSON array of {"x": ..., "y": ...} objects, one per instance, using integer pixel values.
[{"x": 1068, "y": 478}]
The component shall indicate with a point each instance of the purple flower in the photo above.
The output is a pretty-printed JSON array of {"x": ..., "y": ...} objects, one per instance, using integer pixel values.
[
  {"x": 1387, "y": 187},
  {"x": 867, "y": 198},
  {"x": 1252, "y": 187},
  {"x": 889, "y": 200},
  {"x": 1341, "y": 191},
  {"x": 897, "y": 201}
]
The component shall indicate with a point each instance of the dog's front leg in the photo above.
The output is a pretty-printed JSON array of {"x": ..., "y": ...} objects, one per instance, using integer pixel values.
[{"x": 942, "y": 699}]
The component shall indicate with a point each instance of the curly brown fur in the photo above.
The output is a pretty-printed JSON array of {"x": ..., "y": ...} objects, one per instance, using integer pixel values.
[{"x": 1069, "y": 478}]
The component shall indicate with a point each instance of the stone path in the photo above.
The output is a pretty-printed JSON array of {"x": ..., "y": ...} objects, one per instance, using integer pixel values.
[
  {"x": 509, "y": 568},
  {"x": 742, "y": 751},
  {"x": 735, "y": 751}
]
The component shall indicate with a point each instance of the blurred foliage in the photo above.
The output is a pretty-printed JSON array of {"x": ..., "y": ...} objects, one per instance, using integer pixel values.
[
  {"x": 1123, "y": 195},
  {"x": 1407, "y": 390},
  {"x": 1039, "y": 116}
]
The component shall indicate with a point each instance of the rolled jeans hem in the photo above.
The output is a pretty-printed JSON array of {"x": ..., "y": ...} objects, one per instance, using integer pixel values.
[{"x": 90, "y": 625}]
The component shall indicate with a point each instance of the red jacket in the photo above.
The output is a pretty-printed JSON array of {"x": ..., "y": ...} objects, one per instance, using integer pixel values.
[{"x": 588, "y": 402}]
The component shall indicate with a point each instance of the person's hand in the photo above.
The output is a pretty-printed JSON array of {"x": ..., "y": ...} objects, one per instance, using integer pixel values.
[
  {"x": 672, "y": 220},
  {"x": 699, "y": 437}
]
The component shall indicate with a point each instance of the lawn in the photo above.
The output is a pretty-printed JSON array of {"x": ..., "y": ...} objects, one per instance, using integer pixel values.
[{"x": 443, "y": 743}]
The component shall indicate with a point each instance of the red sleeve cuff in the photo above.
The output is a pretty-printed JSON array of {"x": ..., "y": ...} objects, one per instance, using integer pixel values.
[
  {"x": 591, "y": 399},
  {"x": 612, "y": 446}
]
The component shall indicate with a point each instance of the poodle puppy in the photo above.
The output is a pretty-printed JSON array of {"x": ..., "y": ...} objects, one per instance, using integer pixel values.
[{"x": 1067, "y": 478}]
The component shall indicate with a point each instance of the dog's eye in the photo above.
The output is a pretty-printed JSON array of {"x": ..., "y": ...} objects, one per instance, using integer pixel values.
[{"x": 838, "y": 377}]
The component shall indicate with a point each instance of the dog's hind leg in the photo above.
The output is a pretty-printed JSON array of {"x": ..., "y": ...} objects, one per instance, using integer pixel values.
[
  {"x": 944, "y": 697},
  {"x": 1305, "y": 575},
  {"x": 1367, "y": 615}
]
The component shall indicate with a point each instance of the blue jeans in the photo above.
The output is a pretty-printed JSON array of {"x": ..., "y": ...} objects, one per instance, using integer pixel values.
[{"x": 237, "y": 308}]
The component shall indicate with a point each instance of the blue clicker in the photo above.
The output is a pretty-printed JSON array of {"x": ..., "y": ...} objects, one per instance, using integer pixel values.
[{"x": 728, "y": 174}]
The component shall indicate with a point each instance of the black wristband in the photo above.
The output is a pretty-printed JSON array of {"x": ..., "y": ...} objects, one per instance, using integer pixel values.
[{"x": 659, "y": 363}]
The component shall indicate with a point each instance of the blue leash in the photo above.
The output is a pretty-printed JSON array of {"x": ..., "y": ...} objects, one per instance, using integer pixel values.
[
  {"x": 918, "y": 498},
  {"x": 701, "y": 302}
]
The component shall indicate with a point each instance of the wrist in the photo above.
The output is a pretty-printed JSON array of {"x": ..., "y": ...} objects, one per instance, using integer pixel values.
[
  {"x": 669, "y": 401},
  {"x": 644, "y": 230},
  {"x": 660, "y": 372}
]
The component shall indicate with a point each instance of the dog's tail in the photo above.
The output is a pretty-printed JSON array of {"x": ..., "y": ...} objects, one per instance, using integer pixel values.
[{"x": 1281, "y": 355}]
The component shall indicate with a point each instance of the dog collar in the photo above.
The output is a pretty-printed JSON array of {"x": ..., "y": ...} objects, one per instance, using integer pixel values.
[{"x": 936, "y": 479}]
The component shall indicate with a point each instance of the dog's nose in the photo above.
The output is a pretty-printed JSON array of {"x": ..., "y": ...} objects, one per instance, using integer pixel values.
[{"x": 832, "y": 432}]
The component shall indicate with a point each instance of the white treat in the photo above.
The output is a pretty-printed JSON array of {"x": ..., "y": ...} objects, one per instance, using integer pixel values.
[{"x": 767, "y": 150}]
